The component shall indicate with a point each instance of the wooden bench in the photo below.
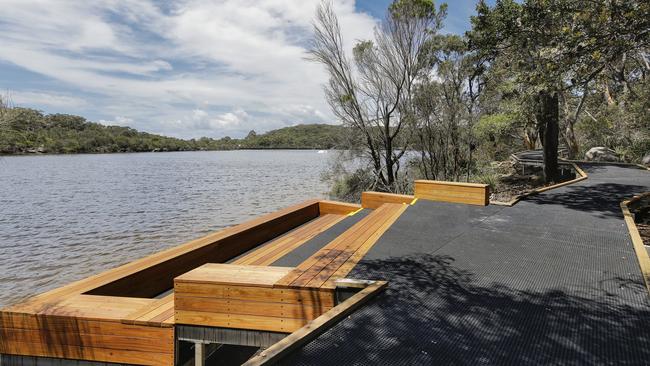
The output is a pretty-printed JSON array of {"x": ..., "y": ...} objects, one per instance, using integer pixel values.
[
  {"x": 279, "y": 299},
  {"x": 244, "y": 297},
  {"x": 373, "y": 200},
  {"x": 86, "y": 327},
  {"x": 455, "y": 192},
  {"x": 115, "y": 317}
]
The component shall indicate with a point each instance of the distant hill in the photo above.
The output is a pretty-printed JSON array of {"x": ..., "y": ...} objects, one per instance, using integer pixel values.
[
  {"x": 24, "y": 130},
  {"x": 313, "y": 136}
]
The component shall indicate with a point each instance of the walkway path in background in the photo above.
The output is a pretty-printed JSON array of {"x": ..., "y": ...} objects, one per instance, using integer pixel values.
[{"x": 551, "y": 280}]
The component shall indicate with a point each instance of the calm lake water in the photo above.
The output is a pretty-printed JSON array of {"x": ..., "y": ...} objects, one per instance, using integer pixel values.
[{"x": 65, "y": 217}]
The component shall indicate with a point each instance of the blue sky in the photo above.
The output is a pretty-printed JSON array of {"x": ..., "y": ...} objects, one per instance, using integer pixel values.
[
  {"x": 187, "y": 68},
  {"x": 459, "y": 12}
]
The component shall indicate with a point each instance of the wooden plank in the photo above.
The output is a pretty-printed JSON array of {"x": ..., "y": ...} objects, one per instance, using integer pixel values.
[
  {"x": 456, "y": 192},
  {"x": 164, "y": 315},
  {"x": 314, "y": 263},
  {"x": 339, "y": 208},
  {"x": 461, "y": 185},
  {"x": 79, "y": 326},
  {"x": 344, "y": 269},
  {"x": 145, "y": 312},
  {"x": 129, "y": 341},
  {"x": 87, "y": 353},
  {"x": 292, "y": 296},
  {"x": 139, "y": 271},
  {"x": 290, "y": 241},
  {"x": 93, "y": 340},
  {"x": 345, "y": 247},
  {"x": 637, "y": 242},
  {"x": 89, "y": 307},
  {"x": 233, "y": 274},
  {"x": 247, "y": 307},
  {"x": 373, "y": 200},
  {"x": 157, "y": 316},
  {"x": 333, "y": 271},
  {"x": 316, "y": 327},
  {"x": 239, "y": 321}
]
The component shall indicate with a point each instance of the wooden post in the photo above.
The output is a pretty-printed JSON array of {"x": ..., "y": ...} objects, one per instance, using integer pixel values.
[{"x": 199, "y": 354}]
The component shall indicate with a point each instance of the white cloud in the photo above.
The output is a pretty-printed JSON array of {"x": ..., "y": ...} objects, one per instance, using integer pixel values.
[
  {"x": 54, "y": 100},
  {"x": 203, "y": 121},
  {"x": 118, "y": 121},
  {"x": 239, "y": 64}
]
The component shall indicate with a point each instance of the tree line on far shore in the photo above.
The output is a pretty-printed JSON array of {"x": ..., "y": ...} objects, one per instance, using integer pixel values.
[{"x": 24, "y": 131}]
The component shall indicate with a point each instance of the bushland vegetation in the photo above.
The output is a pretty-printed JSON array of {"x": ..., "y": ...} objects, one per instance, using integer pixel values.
[{"x": 555, "y": 75}]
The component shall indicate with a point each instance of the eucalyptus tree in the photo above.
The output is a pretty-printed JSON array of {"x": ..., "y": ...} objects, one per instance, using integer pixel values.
[
  {"x": 372, "y": 92},
  {"x": 446, "y": 108},
  {"x": 555, "y": 46}
]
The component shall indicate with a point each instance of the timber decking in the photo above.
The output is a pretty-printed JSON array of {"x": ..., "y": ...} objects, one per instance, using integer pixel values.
[
  {"x": 334, "y": 207},
  {"x": 162, "y": 311},
  {"x": 244, "y": 297},
  {"x": 455, "y": 192},
  {"x": 288, "y": 242},
  {"x": 375, "y": 199},
  {"x": 277, "y": 299},
  {"x": 85, "y": 329},
  {"x": 113, "y": 317},
  {"x": 337, "y": 258}
]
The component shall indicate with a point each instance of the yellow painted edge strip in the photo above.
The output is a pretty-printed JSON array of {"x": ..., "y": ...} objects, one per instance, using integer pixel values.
[
  {"x": 355, "y": 212},
  {"x": 637, "y": 242},
  {"x": 413, "y": 202}
]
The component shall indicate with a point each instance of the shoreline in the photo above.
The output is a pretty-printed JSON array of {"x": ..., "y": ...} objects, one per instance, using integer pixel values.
[{"x": 170, "y": 151}]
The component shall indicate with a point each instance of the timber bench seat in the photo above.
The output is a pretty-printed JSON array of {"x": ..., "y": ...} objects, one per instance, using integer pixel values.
[
  {"x": 129, "y": 314},
  {"x": 244, "y": 297},
  {"x": 454, "y": 192},
  {"x": 161, "y": 312},
  {"x": 119, "y": 315},
  {"x": 278, "y": 299}
]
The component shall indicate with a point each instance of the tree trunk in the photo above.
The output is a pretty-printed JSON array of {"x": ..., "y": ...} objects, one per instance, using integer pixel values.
[
  {"x": 571, "y": 141},
  {"x": 388, "y": 160},
  {"x": 548, "y": 117}
]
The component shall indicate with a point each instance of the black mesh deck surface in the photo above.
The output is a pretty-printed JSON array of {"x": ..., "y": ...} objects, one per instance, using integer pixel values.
[{"x": 553, "y": 280}]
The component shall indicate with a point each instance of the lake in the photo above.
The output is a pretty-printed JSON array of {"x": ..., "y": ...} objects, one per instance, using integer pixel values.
[{"x": 65, "y": 217}]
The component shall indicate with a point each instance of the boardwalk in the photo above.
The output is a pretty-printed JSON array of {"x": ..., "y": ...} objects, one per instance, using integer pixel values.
[{"x": 552, "y": 280}]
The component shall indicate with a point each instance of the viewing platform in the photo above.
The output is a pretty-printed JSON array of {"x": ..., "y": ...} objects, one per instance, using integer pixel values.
[{"x": 440, "y": 277}]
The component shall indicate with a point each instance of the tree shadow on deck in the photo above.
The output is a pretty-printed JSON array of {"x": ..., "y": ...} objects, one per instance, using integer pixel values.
[
  {"x": 435, "y": 313},
  {"x": 602, "y": 199}
]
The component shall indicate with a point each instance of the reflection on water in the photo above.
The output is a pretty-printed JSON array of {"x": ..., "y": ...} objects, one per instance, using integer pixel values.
[{"x": 65, "y": 217}]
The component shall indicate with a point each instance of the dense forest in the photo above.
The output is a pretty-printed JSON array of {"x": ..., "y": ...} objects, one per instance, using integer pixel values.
[{"x": 24, "y": 130}]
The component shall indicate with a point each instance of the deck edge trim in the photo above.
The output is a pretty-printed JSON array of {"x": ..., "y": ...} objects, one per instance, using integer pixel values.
[
  {"x": 637, "y": 242},
  {"x": 316, "y": 327}
]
